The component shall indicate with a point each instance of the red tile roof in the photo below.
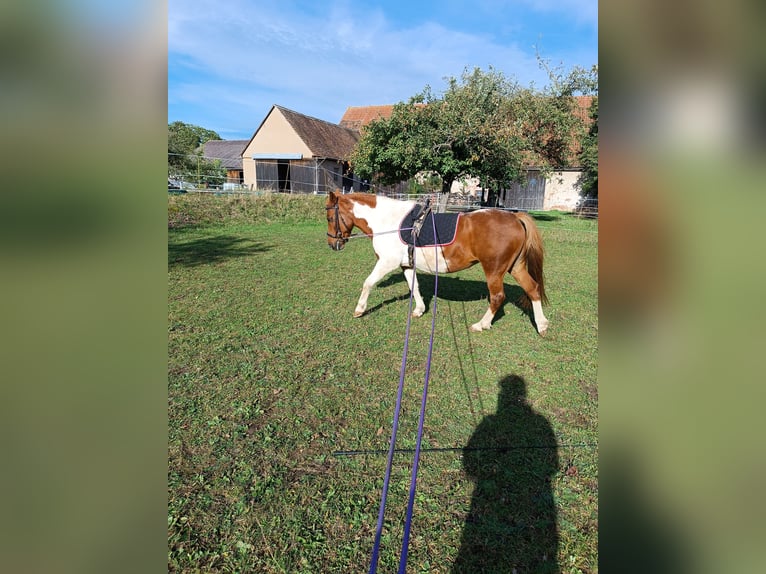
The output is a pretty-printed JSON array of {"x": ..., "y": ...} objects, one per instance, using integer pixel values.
[{"x": 356, "y": 117}]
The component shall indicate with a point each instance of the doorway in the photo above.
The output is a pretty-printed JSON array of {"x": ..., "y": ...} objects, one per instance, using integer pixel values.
[{"x": 283, "y": 175}]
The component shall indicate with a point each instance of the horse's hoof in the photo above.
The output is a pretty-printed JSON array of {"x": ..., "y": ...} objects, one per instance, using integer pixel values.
[
  {"x": 543, "y": 332},
  {"x": 417, "y": 314},
  {"x": 358, "y": 314},
  {"x": 476, "y": 328}
]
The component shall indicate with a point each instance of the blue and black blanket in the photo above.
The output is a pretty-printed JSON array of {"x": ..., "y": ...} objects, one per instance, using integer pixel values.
[{"x": 446, "y": 227}]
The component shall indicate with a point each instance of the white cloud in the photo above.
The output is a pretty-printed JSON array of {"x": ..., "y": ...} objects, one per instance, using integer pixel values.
[{"x": 322, "y": 61}]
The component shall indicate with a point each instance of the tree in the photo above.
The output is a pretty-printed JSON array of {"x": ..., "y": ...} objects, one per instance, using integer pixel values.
[
  {"x": 470, "y": 113},
  {"x": 582, "y": 81},
  {"x": 393, "y": 149},
  {"x": 589, "y": 155},
  {"x": 483, "y": 125},
  {"x": 548, "y": 122},
  {"x": 450, "y": 135},
  {"x": 185, "y": 153}
]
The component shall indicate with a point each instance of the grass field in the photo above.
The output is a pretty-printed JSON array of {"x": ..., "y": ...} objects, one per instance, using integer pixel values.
[{"x": 270, "y": 377}]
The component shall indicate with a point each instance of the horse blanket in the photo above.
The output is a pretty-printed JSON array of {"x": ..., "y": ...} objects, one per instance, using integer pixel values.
[{"x": 446, "y": 227}]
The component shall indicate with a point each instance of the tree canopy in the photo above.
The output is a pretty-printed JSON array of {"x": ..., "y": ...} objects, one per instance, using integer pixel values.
[
  {"x": 185, "y": 159},
  {"x": 483, "y": 125},
  {"x": 589, "y": 155}
]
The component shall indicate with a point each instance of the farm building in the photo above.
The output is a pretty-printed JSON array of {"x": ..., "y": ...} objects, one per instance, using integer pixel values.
[
  {"x": 560, "y": 190},
  {"x": 229, "y": 153},
  {"x": 294, "y": 153}
]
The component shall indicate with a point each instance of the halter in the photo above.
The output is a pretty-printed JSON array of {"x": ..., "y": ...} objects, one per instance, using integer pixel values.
[{"x": 339, "y": 238}]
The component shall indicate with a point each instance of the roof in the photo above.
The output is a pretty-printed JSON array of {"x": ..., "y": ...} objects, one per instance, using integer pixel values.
[
  {"x": 356, "y": 117},
  {"x": 582, "y": 110},
  {"x": 324, "y": 139},
  {"x": 228, "y": 151}
]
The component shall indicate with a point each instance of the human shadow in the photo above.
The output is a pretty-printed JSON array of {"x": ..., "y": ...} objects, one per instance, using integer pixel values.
[
  {"x": 211, "y": 250},
  {"x": 512, "y": 458}
]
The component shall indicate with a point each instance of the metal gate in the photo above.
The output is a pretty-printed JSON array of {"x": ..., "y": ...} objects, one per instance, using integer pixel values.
[{"x": 529, "y": 194}]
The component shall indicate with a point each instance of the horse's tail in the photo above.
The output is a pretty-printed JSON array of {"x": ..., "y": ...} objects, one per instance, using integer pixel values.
[{"x": 533, "y": 253}]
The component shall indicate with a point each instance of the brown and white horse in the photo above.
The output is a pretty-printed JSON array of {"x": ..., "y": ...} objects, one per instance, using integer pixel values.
[{"x": 501, "y": 241}]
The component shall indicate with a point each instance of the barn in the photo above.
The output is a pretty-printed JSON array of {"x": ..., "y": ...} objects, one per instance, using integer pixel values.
[
  {"x": 294, "y": 153},
  {"x": 229, "y": 153}
]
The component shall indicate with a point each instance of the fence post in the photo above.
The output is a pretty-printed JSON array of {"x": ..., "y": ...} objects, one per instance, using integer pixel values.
[{"x": 441, "y": 202}]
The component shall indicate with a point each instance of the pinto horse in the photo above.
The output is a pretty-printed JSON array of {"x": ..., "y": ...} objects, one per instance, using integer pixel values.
[{"x": 501, "y": 241}]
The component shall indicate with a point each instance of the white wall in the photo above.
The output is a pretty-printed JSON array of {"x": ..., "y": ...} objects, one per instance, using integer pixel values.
[{"x": 562, "y": 191}]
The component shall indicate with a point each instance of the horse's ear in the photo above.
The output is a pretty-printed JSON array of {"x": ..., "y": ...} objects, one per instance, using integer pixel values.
[{"x": 333, "y": 198}]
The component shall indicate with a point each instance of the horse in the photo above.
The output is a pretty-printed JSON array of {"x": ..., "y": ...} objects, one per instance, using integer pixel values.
[{"x": 501, "y": 241}]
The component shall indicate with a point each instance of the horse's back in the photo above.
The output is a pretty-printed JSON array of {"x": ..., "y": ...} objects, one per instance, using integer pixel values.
[
  {"x": 492, "y": 237},
  {"x": 489, "y": 223}
]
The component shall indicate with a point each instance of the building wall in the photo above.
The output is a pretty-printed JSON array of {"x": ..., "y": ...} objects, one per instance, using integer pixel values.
[
  {"x": 274, "y": 137},
  {"x": 562, "y": 190}
]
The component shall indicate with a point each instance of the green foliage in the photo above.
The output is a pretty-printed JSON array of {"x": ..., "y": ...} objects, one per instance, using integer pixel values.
[
  {"x": 484, "y": 125},
  {"x": 395, "y": 149},
  {"x": 450, "y": 135},
  {"x": 589, "y": 156},
  {"x": 185, "y": 159}
]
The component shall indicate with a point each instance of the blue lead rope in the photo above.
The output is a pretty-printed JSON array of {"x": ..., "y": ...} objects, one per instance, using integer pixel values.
[{"x": 421, "y": 421}]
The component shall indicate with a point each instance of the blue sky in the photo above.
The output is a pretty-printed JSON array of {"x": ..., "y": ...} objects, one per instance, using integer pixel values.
[{"x": 230, "y": 60}]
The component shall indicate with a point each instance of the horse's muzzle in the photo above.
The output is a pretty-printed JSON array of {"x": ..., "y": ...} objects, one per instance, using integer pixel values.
[{"x": 338, "y": 244}]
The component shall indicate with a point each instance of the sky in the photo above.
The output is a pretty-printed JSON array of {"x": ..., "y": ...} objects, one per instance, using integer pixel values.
[{"x": 229, "y": 61}]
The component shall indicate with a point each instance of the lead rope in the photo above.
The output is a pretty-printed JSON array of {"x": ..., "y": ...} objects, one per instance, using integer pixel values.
[
  {"x": 392, "y": 445},
  {"x": 421, "y": 419}
]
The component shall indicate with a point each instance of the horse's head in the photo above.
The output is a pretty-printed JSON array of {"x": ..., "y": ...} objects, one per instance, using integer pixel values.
[{"x": 340, "y": 221}]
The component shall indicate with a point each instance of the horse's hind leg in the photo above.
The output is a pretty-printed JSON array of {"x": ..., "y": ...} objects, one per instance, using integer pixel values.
[
  {"x": 496, "y": 300},
  {"x": 532, "y": 289}
]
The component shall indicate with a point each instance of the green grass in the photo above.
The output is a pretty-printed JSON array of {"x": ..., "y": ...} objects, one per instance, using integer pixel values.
[{"x": 269, "y": 376}]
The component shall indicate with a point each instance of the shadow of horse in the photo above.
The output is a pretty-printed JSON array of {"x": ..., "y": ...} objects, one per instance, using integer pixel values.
[{"x": 453, "y": 288}]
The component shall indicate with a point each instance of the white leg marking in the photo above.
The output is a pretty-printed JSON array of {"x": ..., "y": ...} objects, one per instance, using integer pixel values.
[
  {"x": 380, "y": 270},
  {"x": 412, "y": 283},
  {"x": 485, "y": 323},
  {"x": 540, "y": 320}
]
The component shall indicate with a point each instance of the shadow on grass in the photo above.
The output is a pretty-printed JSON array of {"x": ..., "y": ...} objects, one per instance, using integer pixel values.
[
  {"x": 545, "y": 216},
  {"x": 212, "y": 250},
  {"x": 453, "y": 288},
  {"x": 512, "y": 458}
]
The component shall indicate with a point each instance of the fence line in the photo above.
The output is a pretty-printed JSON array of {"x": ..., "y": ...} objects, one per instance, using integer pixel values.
[{"x": 318, "y": 180}]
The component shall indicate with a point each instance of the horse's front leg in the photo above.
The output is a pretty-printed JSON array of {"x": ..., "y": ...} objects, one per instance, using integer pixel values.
[
  {"x": 412, "y": 283},
  {"x": 381, "y": 269}
]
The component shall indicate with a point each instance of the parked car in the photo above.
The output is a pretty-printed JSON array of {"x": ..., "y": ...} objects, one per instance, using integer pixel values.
[{"x": 178, "y": 186}]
